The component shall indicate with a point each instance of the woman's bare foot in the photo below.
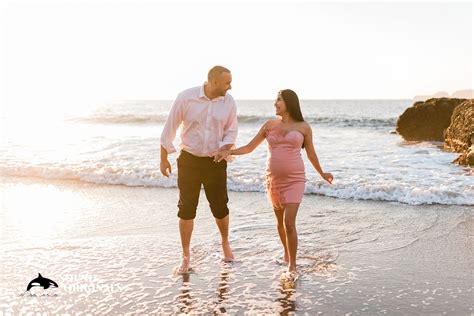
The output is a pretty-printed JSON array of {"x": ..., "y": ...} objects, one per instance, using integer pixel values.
[
  {"x": 291, "y": 268},
  {"x": 288, "y": 279},
  {"x": 283, "y": 261},
  {"x": 290, "y": 274}
]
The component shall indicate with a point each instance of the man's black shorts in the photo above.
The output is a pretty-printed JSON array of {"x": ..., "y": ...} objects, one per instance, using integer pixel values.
[{"x": 194, "y": 171}]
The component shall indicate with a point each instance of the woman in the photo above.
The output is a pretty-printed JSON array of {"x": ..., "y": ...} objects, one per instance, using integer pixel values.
[{"x": 285, "y": 180}]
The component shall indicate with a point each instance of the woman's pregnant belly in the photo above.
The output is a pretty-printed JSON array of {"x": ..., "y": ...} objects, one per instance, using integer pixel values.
[{"x": 286, "y": 168}]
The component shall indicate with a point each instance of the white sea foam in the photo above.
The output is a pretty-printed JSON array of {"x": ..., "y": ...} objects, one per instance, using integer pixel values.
[{"x": 388, "y": 190}]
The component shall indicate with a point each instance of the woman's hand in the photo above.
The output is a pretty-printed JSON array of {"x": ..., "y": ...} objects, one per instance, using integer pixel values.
[
  {"x": 328, "y": 177},
  {"x": 221, "y": 155}
]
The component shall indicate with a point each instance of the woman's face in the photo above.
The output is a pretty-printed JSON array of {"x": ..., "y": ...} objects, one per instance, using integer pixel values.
[{"x": 280, "y": 106}]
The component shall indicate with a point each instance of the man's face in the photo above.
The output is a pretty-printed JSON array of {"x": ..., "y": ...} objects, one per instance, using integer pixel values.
[{"x": 223, "y": 82}]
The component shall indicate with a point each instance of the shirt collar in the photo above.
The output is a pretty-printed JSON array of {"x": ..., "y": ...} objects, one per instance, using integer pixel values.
[{"x": 203, "y": 95}]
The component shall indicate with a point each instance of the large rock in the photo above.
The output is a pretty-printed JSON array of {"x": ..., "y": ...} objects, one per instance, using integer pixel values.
[
  {"x": 427, "y": 121},
  {"x": 460, "y": 134}
]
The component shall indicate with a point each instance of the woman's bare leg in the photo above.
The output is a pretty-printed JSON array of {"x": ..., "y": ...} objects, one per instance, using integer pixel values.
[
  {"x": 289, "y": 219},
  {"x": 279, "y": 212}
]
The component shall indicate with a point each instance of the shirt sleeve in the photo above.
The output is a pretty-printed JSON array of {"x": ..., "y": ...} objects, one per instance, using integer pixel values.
[
  {"x": 231, "y": 128},
  {"x": 175, "y": 117}
]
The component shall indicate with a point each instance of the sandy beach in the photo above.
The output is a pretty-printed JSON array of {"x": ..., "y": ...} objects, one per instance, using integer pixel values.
[{"x": 113, "y": 249}]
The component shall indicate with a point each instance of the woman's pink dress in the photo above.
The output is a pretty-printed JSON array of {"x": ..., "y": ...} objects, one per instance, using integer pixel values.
[{"x": 285, "y": 179}]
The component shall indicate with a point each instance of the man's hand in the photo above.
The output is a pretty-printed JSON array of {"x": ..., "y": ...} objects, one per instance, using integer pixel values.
[
  {"x": 221, "y": 155},
  {"x": 165, "y": 167}
]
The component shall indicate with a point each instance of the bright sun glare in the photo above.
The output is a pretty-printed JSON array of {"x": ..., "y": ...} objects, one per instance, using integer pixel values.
[{"x": 26, "y": 215}]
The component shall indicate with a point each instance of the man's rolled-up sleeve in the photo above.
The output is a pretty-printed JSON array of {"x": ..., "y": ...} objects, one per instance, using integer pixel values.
[
  {"x": 172, "y": 124},
  {"x": 230, "y": 129}
]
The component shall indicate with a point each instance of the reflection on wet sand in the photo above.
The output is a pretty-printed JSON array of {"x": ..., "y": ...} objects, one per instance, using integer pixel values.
[
  {"x": 185, "y": 301},
  {"x": 287, "y": 296},
  {"x": 222, "y": 290}
]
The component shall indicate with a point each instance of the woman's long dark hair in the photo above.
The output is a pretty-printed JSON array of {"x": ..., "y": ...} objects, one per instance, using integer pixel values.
[{"x": 292, "y": 104}]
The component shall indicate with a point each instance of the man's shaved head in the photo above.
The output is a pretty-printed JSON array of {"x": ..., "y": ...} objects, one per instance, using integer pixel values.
[{"x": 215, "y": 72}]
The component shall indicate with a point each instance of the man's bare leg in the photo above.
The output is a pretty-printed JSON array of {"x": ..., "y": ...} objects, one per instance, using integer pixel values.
[
  {"x": 223, "y": 225},
  {"x": 185, "y": 230}
]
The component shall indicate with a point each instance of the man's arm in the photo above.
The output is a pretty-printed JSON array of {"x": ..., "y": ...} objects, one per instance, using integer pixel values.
[
  {"x": 168, "y": 135},
  {"x": 165, "y": 166},
  {"x": 230, "y": 131}
]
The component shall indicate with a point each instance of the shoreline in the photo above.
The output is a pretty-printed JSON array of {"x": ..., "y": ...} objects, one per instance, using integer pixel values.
[{"x": 468, "y": 171}]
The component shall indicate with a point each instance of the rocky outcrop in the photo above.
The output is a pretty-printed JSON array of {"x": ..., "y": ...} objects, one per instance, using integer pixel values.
[
  {"x": 459, "y": 136},
  {"x": 427, "y": 121}
]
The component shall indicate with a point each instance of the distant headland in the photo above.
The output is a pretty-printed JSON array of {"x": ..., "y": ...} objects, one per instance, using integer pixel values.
[{"x": 460, "y": 94}]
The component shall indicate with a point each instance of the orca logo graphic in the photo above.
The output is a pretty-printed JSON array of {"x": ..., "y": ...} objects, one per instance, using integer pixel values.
[{"x": 40, "y": 281}]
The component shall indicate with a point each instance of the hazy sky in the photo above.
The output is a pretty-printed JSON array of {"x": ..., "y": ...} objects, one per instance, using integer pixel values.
[{"x": 94, "y": 51}]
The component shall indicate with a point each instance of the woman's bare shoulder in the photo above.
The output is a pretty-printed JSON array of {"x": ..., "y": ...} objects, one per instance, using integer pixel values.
[
  {"x": 304, "y": 127},
  {"x": 271, "y": 123}
]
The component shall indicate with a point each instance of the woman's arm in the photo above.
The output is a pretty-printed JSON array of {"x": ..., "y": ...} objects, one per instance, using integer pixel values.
[
  {"x": 257, "y": 140},
  {"x": 311, "y": 153}
]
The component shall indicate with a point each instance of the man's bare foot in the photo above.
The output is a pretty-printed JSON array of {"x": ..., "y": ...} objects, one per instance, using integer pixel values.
[
  {"x": 228, "y": 255},
  {"x": 184, "y": 267}
]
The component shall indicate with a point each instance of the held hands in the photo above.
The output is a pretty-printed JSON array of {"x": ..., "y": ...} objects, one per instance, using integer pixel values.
[
  {"x": 165, "y": 168},
  {"x": 221, "y": 155},
  {"x": 328, "y": 177}
]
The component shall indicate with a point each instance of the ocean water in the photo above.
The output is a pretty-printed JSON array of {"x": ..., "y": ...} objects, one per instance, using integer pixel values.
[
  {"x": 112, "y": 248},
  {"x": 118, "y": 144}
]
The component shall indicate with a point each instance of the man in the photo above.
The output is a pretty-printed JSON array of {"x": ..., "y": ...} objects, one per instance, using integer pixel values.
[{"x": 209, "y": 123}]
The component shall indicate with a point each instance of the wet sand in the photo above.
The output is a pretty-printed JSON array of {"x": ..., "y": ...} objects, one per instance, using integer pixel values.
[{"x": 112, "y": 250}]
